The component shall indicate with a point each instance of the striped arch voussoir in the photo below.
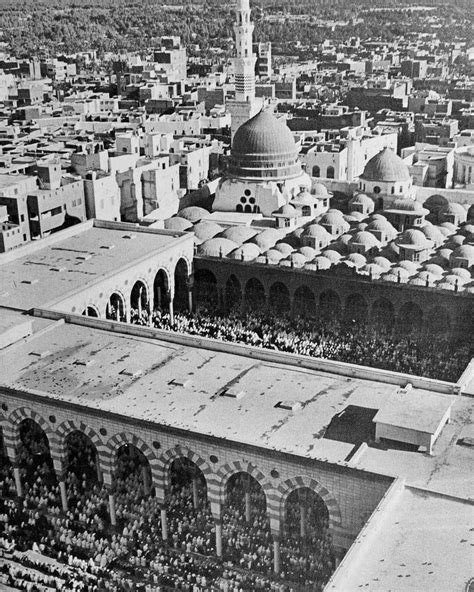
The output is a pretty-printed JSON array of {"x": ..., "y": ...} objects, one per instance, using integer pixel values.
[
  {"x": 291, "y": 485},
  {"x": 19, "y": 415},
  {"x": 229, "y": 469},
  {"x": 182, "y": 452},
  {"x": 124, "y": 439},
  {"x": 69, "y": 426}
]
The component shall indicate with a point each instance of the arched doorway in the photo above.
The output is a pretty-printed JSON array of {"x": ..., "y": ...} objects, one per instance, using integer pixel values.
[
  {"x": 81, "y": 457},
  {"x": 90, "y": 311},
  {"x": 34, "y": 453},
  {"x": 254, "y": 297},
  {"x": 181, "y": 300},
  {"x": 279, "y": 298},
  {"x": 304, "y": 302},
  {"x": 116, "y": 308},
  {"x": 383, "y": 315},
  {"x": 438, "y": 321},
  {"x": 187, "y": 497},
  {"x": 245, "y": 514},
  {"x": 410, "y": 318},
  {"x": 316, "y": 171},
  {"x": 233, "y": 293},
  {"x": 161, "y": 291},
  {"x": 356, "y": 311},
  {"x": 133, "y": 471},
  {"x": 139, "y": 306},
  {"x": 329, "y": 306},
  {"x": 205, "y": 286},
  {"x": 330, "y": 172},
  {"x": 309, "y": 555}
]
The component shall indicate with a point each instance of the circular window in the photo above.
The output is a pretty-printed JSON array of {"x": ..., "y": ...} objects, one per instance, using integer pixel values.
[
  {"x": 213, "y": 458},
  {"x": 247, "y": 192},
  {"x": 156, "y": 445},
  {"x": 275, "y": 474},
  {"x": 52, "y": 419},
  {"x": 73, "y": 309},
  {"x": 101, "y": 295},
  {"x": 126, "y": 282},
  {"x": 243, "y": 200},
  {"x": 377, "y": 189},
  {"x": 252, "y": 200},
  {"x": 103, "y": 431},
  {"x": 4, "y": 407}
]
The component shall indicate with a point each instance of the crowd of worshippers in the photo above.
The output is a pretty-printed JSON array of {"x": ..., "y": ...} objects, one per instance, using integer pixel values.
[
  {"x": 331, "y": 339},
  {"x": 83, "y": 552}
]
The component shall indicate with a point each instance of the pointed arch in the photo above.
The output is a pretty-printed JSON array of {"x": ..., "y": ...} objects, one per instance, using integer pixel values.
[
  {"x": 11, "y": 432},
  {"x": 230, "y": 469},
  {"x": 127, "y": 439},
  {"x": 177, "y": 452},
  {"x": 291, "y": 485},
  {"x": 67, "y": 428}
]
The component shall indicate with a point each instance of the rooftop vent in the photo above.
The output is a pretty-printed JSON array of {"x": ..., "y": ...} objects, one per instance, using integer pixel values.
[
  {"x": 289, "y": 405},
  {"x": 233, "y": 392},
  {"x": 107, "y": 247},
  {"x": 84, "y": 362},
  {"x": 58, "y": 269},
  {"x": 182, "y": 381},
  {"x": 30, "y": 282},
  {"x": 133, "y": 372},
  {"x": 85, "y": 257},
  {"x": 130, "y": 236},
  {"x": 40, "y": 354}
]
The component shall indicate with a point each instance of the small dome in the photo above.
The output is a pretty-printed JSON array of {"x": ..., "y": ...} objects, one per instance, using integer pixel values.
[
  {"x": 361, "y": 200},
  {"x": 443, "y": 285},
  {"x": 239, "y": 234},
  {"x": 246, "y": 252},
  {"x": 206, "y": 230},
  {"x": 308, "y": 252},
  {"x": 294, "y": 260},
  {"x": 366, "y": 239},
  {"x": 216, "y": 247},
  {"x": 333, "y": 218},
  {"x": 361, "y": 226},
  {"x": 454, "y": 209},
  {"x": 316, "y": 231},
  {"x": 410, "y": 266},
  {"x": 386, "y": 167},
  {"x": 357, "y": 259},
  {"x": 433, "y": 233},
  {"x": 444, "y": 253},
  {"x": 392, "y": 277},
  {"x": 398, "y": 270},
  {"x": 332, "y": 255},
  {"x": 381, "y": 225},
  {"x": 193, "y": 214},
  {"x": 434, "y": 269},
  {"x": 177, "y": 223},
  {"x": 273, "y": 255},
  {"x": 452, "y": 278},
  {"x": 461, "y": 272},
  {"x": 320, "y": 190},
  {"x": 426, "y": 278},
  {"x": 340, "y": 247},
  {"x": 377, "y": 217},
  {"x": 354, "y": 217},
  {"x": 345, "y": 239},
  {"x": 449, "y": 226},
  {"x": 304, "y": 198},
  {"x": 284, "y": 248},
  {"x": 467, "y": 230},
  {"x": 408, "y": 205},
  {"x": 266, "y": 239},
  {"x": 414, "y": 238},
  {"x": 322, "y": 262},
  {"x": 464, "y": 252},
  {"x": 286, "y": 211},
  {"x": 382, "y": 262},
  {"x": 373, "y": 270}
]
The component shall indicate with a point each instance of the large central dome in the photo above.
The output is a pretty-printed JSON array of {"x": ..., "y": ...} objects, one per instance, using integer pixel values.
[
  {"x": 386, "y": 166},
  {"x": 264, "y": 148}
]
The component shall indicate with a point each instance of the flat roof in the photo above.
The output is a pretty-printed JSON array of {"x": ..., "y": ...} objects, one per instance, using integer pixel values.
[
  {"x": 267, "y": 404},
  {"x": 421, "y": 541},
  {"x": 422, "y": 413},
  {"x": 44, "y": 272}
]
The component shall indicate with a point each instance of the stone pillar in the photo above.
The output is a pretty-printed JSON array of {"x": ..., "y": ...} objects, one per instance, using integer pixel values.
[
  {"x": 171, "y": 305},
  {"x": 17, "y": 476},
  {"x": 248, "y": 507},
  {"x": 195, "y": 493},
  {"x": 127, "y": 315},
  {"x": 63, "y": 492},
  {"x": 113, "y": 515},
  {"x": 164, "y": 524},
  {"x": 276, "y": 555},
  {"x": 190, "y": 286},
  {"x": 218, "y": 523},
  {"x": 159, "y": 297},
  {"x": 302, "y": 521},
  {"x": 146, "y": 480},
  {"x": 140, "y": 291},
  {"x": 100, "y": 477}
]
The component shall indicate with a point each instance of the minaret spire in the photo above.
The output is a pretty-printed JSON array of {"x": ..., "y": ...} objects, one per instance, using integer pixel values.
[{"x": 244, "y": 62}]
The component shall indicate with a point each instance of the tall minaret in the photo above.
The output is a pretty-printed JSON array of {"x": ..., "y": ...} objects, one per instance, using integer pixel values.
[{"x": 245, "y": 104}]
